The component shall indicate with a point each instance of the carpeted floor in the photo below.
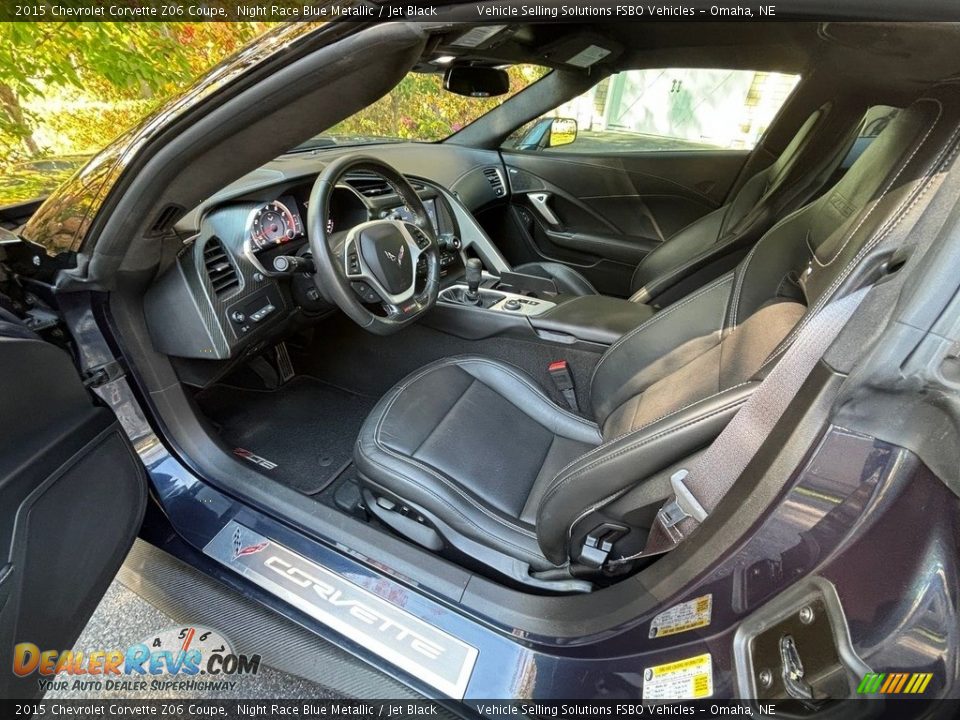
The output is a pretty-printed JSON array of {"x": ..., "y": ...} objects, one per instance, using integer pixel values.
[{"x": 306, "y": 427}]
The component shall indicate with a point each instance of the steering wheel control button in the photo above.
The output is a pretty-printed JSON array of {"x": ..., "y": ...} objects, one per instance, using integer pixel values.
[
  {"x": 353, "y": 263},
  {"x": 511, "y": 304},
  {"x": 366, "y": 293},
  {"x": 423, "y": 242}
]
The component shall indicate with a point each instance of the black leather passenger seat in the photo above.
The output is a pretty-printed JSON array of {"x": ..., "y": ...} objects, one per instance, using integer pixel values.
[{"x": 683, "y": 261}]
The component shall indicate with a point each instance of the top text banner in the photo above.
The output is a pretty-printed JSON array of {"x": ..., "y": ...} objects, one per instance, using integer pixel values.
[{"x": 489, "y": 12}]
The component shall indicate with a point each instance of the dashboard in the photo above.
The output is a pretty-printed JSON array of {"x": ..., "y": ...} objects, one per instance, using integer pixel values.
[{"x": 223, "y": 297}]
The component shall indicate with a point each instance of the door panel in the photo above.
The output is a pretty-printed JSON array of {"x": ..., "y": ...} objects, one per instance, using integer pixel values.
[
  {"x": 72, "y": 497},
  {"x": 603, "y": 213}
]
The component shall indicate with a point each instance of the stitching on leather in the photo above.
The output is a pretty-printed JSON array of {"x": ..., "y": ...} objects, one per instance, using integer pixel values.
[
  {"x": 659, "y": 316},
  {"x": 412, "y": 482},
  {"x": 896, "y": 218},
  {"x": 574, "y": 277},
  {"x": 889, "y": 186},
  {"x": 560, "y": 483},
  {"x": 426, "y": 468},
  {"x": 459, "y": 491},
  {"x": 659, "y": 282},
  {"x": 455, "y": 488},
  {"x": 533, "y": 388},
  {"x": 456, "y": 402},
  {"x": 662, "y": 245},
  {"x": 646, "y": 425},
  {"x": 561, "y": 271},
  {"x": 718, "y": 244},
  {"x": 741, "y": 269}
]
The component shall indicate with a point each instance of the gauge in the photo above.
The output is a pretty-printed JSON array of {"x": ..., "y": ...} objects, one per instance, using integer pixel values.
[
  {"x": 194, "y": 642},
  {"x": 273, "y": 224}
]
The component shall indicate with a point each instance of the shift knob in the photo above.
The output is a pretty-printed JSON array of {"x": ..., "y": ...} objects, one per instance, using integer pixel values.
[{"x": 473, "y": 275}]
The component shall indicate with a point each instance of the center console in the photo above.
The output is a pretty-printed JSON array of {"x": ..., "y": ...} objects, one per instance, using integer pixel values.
[
  {"x": 482, "y": 305},
  {"x": 495, "y": 300}
]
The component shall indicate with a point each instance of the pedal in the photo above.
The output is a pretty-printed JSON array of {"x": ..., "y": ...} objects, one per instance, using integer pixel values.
[{"x": 284, "y": 363}]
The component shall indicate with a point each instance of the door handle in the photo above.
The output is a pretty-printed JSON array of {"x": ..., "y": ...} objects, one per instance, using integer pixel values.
[{"x": 541, "y": 201}]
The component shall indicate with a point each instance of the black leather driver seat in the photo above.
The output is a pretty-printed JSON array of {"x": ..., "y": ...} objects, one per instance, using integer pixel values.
[
  {"x": 711, "y": 245},
  {"x": 473, "y": 452}
]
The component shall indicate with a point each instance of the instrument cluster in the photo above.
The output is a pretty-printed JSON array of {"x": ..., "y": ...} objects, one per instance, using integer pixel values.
[{"x": 276, "y": 223}]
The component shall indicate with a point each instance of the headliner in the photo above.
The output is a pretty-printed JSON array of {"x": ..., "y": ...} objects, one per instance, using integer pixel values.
[{"x": 903, "y": 55}]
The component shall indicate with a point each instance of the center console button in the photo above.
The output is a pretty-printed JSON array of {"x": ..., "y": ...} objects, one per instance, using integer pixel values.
[{"x": 512, "y": 304}]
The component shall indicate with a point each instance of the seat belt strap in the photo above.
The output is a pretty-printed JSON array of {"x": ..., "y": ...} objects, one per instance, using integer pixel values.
[{"x": 698, "y": 491}]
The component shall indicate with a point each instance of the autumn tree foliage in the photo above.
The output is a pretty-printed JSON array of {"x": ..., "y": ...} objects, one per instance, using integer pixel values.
[
  {"x": 73, "y": 86},
  {"x": 68, "y": 88}
]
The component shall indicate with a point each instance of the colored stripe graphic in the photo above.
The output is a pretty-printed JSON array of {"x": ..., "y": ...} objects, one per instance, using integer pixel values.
[{"x": 894, "y": 683}]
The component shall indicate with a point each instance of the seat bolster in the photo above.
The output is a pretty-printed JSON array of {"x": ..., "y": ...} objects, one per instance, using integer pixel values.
[
  {"x": 602, "y": 474},
  {"x": 521, "y": 390},
  {"x": 567, "y": 280},
  {"x": 656, "y": 269},
  {"x": 630, "y": 365}
]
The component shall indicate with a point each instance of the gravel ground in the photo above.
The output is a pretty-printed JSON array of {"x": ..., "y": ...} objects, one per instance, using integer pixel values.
[{"x": 124, "y": 618}]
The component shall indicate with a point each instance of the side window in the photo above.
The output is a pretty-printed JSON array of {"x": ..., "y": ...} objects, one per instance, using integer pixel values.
[{"x": 662, "y": 110}]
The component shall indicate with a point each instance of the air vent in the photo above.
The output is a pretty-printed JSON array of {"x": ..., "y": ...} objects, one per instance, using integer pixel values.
[
  {"x": 369, "y": 185},
  {"x": 496, "y": 181},
  {"x": 374, "y": 186},
  {"x": 166, "y": 219},
  {"x": 219, "y": 269}
]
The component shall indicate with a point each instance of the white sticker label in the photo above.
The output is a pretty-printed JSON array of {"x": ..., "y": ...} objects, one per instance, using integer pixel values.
[
  {"x": 688, "y": 615},
  {"x": 688, "y": 679},
  {"x": 585, "y": 58},
  {"x": 477, "y": 36}
]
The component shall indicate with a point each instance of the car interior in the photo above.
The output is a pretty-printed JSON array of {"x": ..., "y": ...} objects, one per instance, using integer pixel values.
[{"x": 490, "y": 353}]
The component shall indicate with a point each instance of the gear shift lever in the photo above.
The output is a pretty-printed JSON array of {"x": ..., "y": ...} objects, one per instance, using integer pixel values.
[{"x": 473, "y": 274}]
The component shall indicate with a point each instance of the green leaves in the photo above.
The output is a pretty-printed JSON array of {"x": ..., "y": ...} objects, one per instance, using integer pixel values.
[
  {"x": 99, "y": 64},
  {"x": 418, "y": 108}
]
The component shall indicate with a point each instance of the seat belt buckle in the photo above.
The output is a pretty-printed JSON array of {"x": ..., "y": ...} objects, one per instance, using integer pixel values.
[{"x": 563, "y": 380}]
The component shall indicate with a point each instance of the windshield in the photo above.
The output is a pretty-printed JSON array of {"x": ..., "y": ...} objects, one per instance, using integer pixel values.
[{"x": 418, "y": 109}]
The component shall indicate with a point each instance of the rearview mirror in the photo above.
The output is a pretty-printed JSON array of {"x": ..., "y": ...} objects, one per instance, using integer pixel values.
[
  {"x": 549, "y": 133},
  {"x": 476, "y": 81}
]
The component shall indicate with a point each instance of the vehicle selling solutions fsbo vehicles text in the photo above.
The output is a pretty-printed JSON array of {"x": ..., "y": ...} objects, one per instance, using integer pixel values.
[{"x": 633, "y": 11}]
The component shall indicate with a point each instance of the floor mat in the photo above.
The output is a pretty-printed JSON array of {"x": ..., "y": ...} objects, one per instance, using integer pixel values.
[{"x": 307, "y": 428}]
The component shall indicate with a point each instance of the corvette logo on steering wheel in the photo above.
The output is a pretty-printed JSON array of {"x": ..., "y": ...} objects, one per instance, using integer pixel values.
[{"x": 398, "y": 258}]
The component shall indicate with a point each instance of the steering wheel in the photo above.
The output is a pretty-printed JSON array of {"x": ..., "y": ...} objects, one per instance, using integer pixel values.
[{"x": 375, "y": 262}]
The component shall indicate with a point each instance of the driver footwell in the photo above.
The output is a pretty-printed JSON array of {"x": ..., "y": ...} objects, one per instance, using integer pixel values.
[{"x": 305, "y": 428}]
